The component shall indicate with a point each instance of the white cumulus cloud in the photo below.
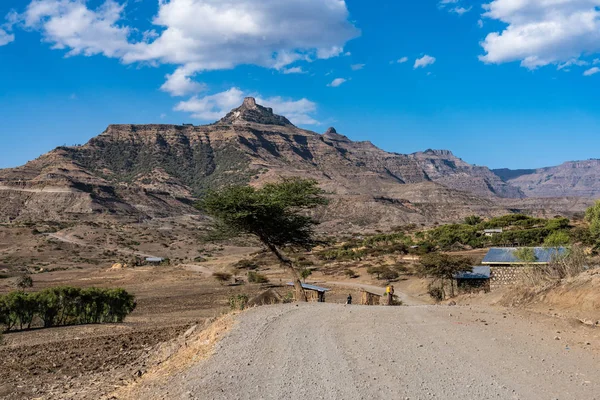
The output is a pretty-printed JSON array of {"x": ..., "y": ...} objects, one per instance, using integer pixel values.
[
  {"x": 424, "y": 61},
  {"x": 542, "y": 32},
  {"x": 337, "y": 82},
  {"x": 216, "y": 106},
  {"x": 402, "y": 60},
  {"x": 591, "y": 71},
  {"x": 5, "y": 37},
  {"x": 357, "y": 67},
  {"x": 180, "y": 83},
  {"x": 198, "y": 35},
  {"x": 71, "y": 25}
]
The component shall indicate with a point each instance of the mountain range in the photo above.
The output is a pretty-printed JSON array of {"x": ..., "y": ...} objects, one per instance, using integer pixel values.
[{"x": 150, "y": 171}]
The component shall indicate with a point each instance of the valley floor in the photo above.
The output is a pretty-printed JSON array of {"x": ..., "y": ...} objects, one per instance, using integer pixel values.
[{"x": 332, "y": 351}]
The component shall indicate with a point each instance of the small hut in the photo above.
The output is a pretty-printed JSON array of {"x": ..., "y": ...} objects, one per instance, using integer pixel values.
[
  {"x": 470, "y": 281},
  {"x": 313, "y": 293},
  {"x": 369, "y": 298},
  {"x": 154, "y": 260}
]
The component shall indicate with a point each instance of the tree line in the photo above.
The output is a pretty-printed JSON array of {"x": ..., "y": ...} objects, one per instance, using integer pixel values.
[{"x": 60, "y": 306}]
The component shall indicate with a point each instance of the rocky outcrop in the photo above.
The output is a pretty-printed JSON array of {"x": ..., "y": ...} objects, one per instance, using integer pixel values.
[{"x": 251, "y": 112}]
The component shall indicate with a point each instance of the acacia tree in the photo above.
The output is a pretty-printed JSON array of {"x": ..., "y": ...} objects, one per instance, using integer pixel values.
[
  {"x": 443, "y": 268},
  {"x": 592, "y": 216},
  {"x": 275, "y": 214}
]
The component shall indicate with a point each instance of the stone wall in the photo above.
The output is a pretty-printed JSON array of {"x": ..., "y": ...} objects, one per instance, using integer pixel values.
[{"x": 507, "y": 276}]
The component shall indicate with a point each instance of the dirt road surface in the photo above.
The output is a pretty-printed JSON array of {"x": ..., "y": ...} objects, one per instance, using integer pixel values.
[{"x": 329, "y": 351}]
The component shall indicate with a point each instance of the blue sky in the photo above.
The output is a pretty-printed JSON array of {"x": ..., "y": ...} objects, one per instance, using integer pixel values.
[{"x": 502, "y": 83}]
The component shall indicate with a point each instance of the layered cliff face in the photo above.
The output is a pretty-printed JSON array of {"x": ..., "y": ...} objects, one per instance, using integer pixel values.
[
  {"x": 159, "y": 170},
  {"x": 574, "y": 179}
]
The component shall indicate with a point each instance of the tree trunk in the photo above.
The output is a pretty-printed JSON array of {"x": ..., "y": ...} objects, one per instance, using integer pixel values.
[{"x": 300, "y": 293}]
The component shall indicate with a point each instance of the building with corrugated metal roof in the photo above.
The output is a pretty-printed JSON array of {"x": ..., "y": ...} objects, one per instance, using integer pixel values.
[
  {"x": 475, "y": 280},
  {"x": 506, "y": 268},
  {"x": 313, "y": 293}
]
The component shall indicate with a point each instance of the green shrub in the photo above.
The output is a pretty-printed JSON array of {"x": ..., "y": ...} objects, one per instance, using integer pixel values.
[
  {"x": 341, "y": 254},
  {"x": 473, "y": 220},
  {"x": 350, "y": 273},
  {"x": 526, "y": 254},
  {"x": 557, "y": 239},
  {"x": 255, "y": 277},
  {"x": 383, "y": 273},
  {"x": 238, "y": 302},
  {"x": 389, "y": 275}
]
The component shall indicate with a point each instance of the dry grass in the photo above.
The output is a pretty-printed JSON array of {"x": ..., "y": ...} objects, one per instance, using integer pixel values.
[
  {"x": 175, "y": 356},
  {"x": 561, "y": 268}
]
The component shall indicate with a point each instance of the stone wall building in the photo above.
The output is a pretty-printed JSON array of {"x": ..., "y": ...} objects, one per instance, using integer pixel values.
[{"x": 507, "y": 269}]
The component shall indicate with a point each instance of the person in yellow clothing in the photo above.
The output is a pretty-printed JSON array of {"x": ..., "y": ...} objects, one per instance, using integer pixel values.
[{"x": 389, "y": 290}]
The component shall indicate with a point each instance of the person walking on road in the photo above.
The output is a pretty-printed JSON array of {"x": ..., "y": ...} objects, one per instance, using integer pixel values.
[
  {"x": 349, "y": 299},
  {"x": 390, "y": 295}
]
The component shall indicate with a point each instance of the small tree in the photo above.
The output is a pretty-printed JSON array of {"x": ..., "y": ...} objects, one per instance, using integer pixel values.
[
  {"x": 305, "y": 273},
  {"x": 443, "y": 268},
  {"x": 592, "y": 216},
  {"x": 276, "y": 214},
  {"x": 376, "y": 271},
  {"x": 526, "y": 254},
  {"x": 557, "y": 239}
]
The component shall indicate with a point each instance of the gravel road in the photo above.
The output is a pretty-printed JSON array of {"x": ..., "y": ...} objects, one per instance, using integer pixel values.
[{"x": 329, "y": 351}]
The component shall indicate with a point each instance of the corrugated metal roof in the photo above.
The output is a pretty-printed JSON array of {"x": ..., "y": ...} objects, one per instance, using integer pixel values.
[
  {"x": 154, "y": 259},
  {"x": 507, "y": 255},
  {"x": 480, "y": 272},
  {"x": 311, "y": 287}
]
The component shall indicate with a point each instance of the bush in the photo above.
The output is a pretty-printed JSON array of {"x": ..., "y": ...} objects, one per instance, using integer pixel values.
[
  {"x": 341, "y": 254},
  {"x": 565, "y": 266},
  {"x": 350, "y": 273},
  {"x": 24, "y": 282},
  {"x": 436, "y": 292},
  {"x": 246, "y": 264},
  {"x": 61, "y": 306},
  {"x": 557, "y": 239},
  {"x": 383, "y": 273},
  {"x": 255, "y": 277},
  {"x": 473, "y": 220},
  {"x": 389, "y": 275},
  {"x": 376, "y": 271},
  {"x": 238, "y": 302},
  {"x": 222, "y": 276},
  {"x": 526, "y": 254}
]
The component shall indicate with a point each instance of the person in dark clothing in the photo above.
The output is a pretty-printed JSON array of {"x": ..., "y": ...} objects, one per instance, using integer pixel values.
[{"x": 349, "y": 299}]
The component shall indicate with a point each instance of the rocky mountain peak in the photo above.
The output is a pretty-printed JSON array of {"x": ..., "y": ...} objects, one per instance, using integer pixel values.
[
  {"x": 249, "y": 102},
  {"x": 252, "y": 112},
  {"x": 441, "y": 153},
  {"x": 332, "y": 134}
]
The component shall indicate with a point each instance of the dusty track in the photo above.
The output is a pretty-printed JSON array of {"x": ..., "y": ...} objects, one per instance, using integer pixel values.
[{"x": 327, "y": 351}]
